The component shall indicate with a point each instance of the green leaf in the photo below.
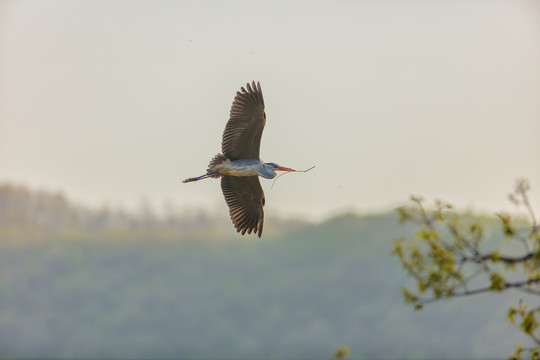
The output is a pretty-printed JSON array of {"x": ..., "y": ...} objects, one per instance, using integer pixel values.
[
  {"x": 511, "y": 314},
  {"x": 494, "y": 256},
  {"x": 404, "y": 214},
  {"x": 497, "y": 282},
  {"x": 529, "y": 323},
  {"x": 340, "y": 353},
  {"x": 536, "y": 255},
  {"x": 398, "y": 248},
  {"x": 423, "y": 234},
  {"x": 517, "y": 354},
  {"x": 508, "y": 230},
  {"x": 409, "y": 297}
]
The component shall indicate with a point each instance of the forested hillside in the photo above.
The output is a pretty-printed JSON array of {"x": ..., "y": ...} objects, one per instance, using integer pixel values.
[{"x": 76, "y": 282}]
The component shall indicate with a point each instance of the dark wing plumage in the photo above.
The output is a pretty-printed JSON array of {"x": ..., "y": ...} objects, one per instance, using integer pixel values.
[
  {"x": 242, "y": 135},
  {"x": 245, "y": 199}
]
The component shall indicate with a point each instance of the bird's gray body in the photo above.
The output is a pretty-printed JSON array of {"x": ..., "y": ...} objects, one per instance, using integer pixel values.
[{"x": 243, "y": 167}]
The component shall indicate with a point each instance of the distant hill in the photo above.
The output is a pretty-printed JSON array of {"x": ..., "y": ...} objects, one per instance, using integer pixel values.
[
  {"x": 86, "y": 283},
  {"x": 28, "y": 215}
]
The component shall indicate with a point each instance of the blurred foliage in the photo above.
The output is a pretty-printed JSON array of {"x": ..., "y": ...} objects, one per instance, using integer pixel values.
[
  {"x": 449, "y": 257},
  {"x": 340, "y": 353},
  {"x": 106, "y": 283},
  {"x": 35, "y": 216}
]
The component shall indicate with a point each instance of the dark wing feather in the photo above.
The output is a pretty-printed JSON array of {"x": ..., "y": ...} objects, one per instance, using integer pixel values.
[
  {"x": 245, "y": 199},
  {"x": 242, "y": 135}
]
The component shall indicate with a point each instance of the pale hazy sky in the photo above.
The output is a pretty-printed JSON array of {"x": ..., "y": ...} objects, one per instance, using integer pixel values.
[{"x": 117, "y": 101}]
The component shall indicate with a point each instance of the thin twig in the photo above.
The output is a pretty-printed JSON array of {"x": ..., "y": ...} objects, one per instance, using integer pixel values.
[{"x": 288, "y": 172}]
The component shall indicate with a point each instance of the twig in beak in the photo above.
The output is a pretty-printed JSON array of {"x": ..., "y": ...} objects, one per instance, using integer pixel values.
[{"x": 288, "y": 172}]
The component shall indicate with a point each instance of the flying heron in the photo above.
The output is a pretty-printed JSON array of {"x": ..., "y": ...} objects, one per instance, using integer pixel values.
[{"x": 239, "y": 166}]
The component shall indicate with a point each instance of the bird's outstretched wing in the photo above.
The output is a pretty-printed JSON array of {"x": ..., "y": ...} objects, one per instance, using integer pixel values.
[
  {"x": 245, "y": 199},
  {"x": 242, "y": 135}
]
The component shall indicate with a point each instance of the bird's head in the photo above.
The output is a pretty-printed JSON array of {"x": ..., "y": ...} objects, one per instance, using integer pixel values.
[{"x": 269, "y": 170}]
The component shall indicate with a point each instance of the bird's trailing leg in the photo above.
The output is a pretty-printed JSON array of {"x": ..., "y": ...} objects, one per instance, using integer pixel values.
[{"x": 205, "y": 176}]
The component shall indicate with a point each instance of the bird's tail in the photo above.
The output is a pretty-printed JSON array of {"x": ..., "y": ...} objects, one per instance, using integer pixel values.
[
  {"x": 213, "y": 168},
  {"x": 216, "y": 161}
]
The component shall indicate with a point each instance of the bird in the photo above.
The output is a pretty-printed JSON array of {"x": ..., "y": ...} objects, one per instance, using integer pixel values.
[{"x": 239, "y": 164}]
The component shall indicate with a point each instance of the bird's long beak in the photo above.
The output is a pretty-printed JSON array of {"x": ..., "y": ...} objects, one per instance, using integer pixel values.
[{"x": 284, "y": 168}]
